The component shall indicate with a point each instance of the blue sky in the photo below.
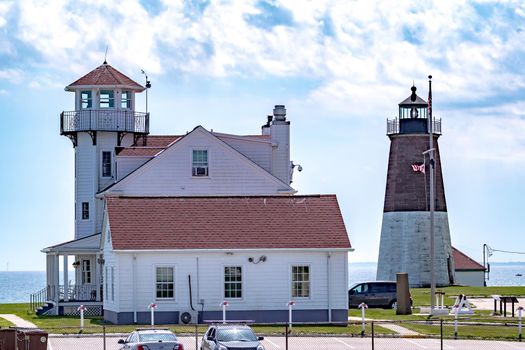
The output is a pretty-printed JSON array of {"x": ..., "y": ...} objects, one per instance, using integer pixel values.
[{"x": 340, "y": 67}]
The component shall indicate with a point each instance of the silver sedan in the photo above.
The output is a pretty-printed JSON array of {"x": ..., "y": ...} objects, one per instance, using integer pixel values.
[{"x": 151, "y": 339}]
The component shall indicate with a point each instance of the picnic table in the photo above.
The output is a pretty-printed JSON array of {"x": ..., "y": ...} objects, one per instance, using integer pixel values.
[{"x": 503, "y": 300}]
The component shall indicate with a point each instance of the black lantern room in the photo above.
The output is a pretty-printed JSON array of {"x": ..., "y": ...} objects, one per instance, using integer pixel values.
[{"x": 413, "y": 114}]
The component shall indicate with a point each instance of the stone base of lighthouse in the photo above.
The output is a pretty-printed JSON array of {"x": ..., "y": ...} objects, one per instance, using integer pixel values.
[{"x": 405, "y": 247}]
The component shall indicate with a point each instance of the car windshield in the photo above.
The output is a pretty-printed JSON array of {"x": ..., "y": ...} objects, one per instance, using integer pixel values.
[
  {"x": 156, "y": 337},
  {"x": 236, "y": 334}
]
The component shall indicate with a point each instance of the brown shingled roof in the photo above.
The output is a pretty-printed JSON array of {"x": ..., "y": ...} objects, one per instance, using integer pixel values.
[
  {"x": 154, "y": 144},
  {"x": 106, "y": 75},
  {"x": 463, "y": 262},
  {"x": 255, "y": 222}
]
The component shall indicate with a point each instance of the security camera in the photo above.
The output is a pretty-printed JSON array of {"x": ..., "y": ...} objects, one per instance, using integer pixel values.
[{"x": 299, "y": 168}]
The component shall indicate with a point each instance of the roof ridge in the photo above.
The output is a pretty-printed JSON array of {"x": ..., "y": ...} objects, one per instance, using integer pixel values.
[{"x": 224, "y": 196}]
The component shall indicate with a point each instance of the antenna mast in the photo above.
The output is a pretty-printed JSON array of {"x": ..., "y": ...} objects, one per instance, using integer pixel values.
[
  {"x": 148, "y": 85},
  {"x": 106, "y": 54}
]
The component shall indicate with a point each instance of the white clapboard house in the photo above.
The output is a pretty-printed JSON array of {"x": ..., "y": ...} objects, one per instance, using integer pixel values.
[{"x": 187, "y": 222}]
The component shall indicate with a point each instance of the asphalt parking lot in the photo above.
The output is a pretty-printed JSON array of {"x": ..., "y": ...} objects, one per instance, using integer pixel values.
[{"x": 318, "y": 343}]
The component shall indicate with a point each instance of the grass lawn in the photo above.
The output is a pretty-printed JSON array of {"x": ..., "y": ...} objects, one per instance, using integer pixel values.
[
  {"x": 71, "y": 324},
  {"x": 421, "y": 296},
  {"x": 466, "y": 331}
]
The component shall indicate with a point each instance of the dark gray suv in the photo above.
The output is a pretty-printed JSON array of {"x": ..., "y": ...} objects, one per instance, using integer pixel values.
[{"x": 374, "y": 294}]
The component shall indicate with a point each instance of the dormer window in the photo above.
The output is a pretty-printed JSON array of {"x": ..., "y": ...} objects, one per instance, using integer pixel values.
[
  {"x": 125, "y": 101},
  {"x": 107, "y": 99},
  {"x": 85, "y": 99},
  {"x": 200, "y": 162}
]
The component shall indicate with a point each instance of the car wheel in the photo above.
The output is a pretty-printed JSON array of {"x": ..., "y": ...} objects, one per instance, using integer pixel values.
[{"x": 393, "y": 304}]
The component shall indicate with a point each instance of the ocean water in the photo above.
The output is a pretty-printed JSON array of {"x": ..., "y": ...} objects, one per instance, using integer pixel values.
[
  {"x": 501, "y": 273},
  {"x": 16, "y": 286}
]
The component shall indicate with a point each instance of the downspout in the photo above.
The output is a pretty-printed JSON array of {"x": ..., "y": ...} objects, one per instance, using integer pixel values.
[
  {"x": 198, "y": 292},
  {"x": 134, "y": 287},
  {"x": 329, "y": 283}
]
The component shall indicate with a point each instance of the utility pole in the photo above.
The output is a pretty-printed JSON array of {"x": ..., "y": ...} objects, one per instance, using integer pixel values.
[{"x": 432, "y": 200}]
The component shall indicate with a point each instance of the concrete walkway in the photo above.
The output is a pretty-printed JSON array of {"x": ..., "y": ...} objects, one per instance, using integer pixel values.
[
  {"x": 17, "y": 321},
  {"x": 402, "y": 331}
]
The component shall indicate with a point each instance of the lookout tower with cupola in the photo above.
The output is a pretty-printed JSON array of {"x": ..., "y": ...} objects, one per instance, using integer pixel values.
[
  {"x": 104, "y": 118},
  {"x": 408, "y": 218}
]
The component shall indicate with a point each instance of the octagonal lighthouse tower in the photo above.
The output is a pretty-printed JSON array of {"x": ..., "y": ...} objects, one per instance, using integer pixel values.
[
  {"x": 406, "y": 230},
  {"x": 104, "y": 118}
]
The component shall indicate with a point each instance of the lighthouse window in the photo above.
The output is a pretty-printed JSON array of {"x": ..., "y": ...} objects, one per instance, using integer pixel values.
[
  {"x": 85, "y": 210},
  {"x": 106, "y": 164},
  {"x": 85, "y": 99},
  {"x": 125, "y": 101},
  {"x": 107, "y": 99}
]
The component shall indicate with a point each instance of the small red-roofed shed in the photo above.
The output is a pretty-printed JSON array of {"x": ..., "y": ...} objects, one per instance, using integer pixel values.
[{"x": 468, "y": 271}]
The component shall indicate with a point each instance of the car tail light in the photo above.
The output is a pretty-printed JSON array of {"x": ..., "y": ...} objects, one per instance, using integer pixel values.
[
  {"x": 179, "y": 347},
  {"x": 140, "y": 347}
]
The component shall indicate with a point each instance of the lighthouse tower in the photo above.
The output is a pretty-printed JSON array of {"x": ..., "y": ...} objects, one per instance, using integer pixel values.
[
  {"x": 104, "y": 118},
  {"x": 406, "y": 230}
]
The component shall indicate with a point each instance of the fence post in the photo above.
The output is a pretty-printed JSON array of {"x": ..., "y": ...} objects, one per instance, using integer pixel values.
[
  {"x": 196, "y": 336},
  {"x": 456, "y": 322},
  {"x": 520, "y": 310},
  {"x": 372, "y": 325},
  {"x": 104, "y": 336},
  {"x": 286, "y": 336},
  {"x": 441, "y": 331},
  {"x": 363, "y": 306}
]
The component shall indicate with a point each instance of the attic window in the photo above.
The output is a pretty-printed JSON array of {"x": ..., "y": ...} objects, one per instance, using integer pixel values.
[
  {"x": 200, "y": 162},
  {"x": 107, "y": 99}
]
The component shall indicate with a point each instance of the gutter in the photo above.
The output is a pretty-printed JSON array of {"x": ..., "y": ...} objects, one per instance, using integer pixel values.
[
  {"x": 247, "y": 250},
  {"x": 134, "y": 287}
]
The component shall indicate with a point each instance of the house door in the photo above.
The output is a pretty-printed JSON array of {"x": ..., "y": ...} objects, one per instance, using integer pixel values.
[{"x": 86, "y": 271}]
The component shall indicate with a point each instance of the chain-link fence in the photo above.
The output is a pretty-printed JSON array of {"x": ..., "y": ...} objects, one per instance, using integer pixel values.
[{"x": 406, "y": 334}]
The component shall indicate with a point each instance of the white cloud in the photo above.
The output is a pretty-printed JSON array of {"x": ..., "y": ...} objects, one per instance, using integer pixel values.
[{"x": 12, "y": 75}]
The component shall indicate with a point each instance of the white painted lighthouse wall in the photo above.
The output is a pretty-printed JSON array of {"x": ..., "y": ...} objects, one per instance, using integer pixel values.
[
  {"x": 405, "y": 247},
  {"x": 266, "y": 286},
  {"x": 170, "y": 173},
  {"x": 260, "y": 152},
  {"x": 85, "y": 184},
  {"x": 89, "y": 180}
]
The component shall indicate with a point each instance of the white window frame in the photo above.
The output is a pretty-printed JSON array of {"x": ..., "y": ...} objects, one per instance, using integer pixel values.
[
  {"x": 174, "y": 272},
  {"x": 106, "y": 288},
  {"x": 224, "y": 282},
  {"x": 102, "y": 164},
  {"x": 112, "y": 269},
  {"x": 206, "y": 166},
  {"x": 292, "y": 281}
]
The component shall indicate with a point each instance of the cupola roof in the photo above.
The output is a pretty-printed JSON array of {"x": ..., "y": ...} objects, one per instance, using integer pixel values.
[
  {"x": 105, "y": 75},
  {"x": 413, "y": 100}
]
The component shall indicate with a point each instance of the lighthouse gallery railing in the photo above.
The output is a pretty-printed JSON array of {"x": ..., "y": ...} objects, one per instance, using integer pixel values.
[{"x": 104, "y": 120}]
